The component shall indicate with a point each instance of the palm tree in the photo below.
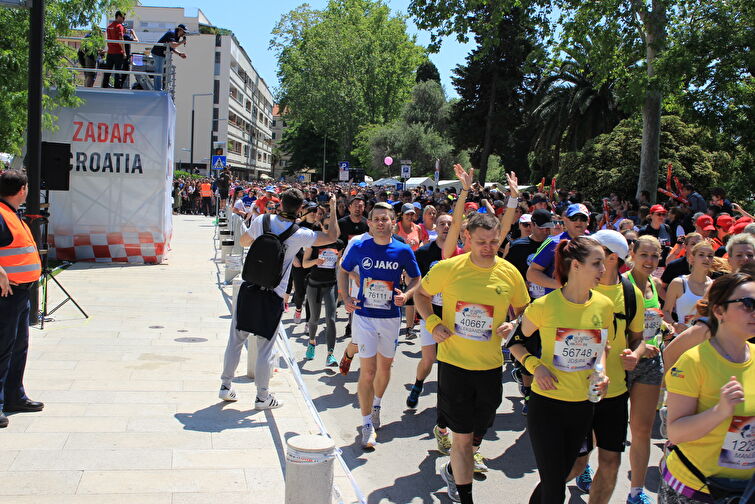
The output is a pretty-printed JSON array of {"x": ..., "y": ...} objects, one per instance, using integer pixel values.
[{"x": 569, "y": 108}]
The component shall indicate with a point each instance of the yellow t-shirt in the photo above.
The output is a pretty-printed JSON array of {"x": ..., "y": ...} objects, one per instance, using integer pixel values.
[
  {"x": 573, "y": 337},
  {"x": 475, "y": 302},
  {"x": 728, "y": 451},
  {"x": 618, "y": 341}
]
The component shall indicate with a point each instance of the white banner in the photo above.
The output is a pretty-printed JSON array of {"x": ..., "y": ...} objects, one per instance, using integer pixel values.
[{"x": 119, "y": 206}]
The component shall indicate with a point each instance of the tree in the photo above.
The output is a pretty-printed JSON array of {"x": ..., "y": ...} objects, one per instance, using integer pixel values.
[
  {"x": 61, "y": 16},
  {"x": 305, "y": 148},
  {"x": 427, "y": 71},
  {"x": 346, "y": 66}
]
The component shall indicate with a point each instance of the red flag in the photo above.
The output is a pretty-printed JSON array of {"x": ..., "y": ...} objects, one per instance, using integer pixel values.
[
  {"x": 678, "y": 185},
  {"x": 672, "y": 195},
  {"x": 669, "y": 168},
  {"x": 553, "y": 187}
]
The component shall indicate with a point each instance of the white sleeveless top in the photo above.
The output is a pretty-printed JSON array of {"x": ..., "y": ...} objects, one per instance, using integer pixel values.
[{"x": 685, "y": 304}]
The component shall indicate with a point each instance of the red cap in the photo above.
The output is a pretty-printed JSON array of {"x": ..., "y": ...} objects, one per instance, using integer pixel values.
[
  {"x": 725, "y": 222},
  {"x": 740, "y": 225},
  {"x": 471, "y": 206},
  {"x": 705, "y": 222},
  {"x": 657, "y": 209}
]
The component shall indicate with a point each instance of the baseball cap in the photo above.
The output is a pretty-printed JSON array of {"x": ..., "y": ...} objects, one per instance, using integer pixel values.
[
  {"x": 408, "y": 208},
  {"x": 525, "y": 218},
  {"x": 577, "y": 208},
  {"x": 542, "y": 218},
  {"x": 725, "y": 222},
  {"x": 357, "y": 197},
  {"x": 471, "y": 206},
  {"x": 181, "y": 27},
  {"x": 310, "y": 207},
  {"x": 705, "y": 222},
  {"x": 613, "y": 241},
  {"x": 417, "y": 205},
  {"x": 270, "y": 189},
  {"x": 657, "y": 209}
]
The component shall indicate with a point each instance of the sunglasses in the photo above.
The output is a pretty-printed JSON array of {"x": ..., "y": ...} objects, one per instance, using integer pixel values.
[
  {"x": 578, "y": 218},
  {"x": 747, "y": 302},
  {"x": 558, "y": 223}
]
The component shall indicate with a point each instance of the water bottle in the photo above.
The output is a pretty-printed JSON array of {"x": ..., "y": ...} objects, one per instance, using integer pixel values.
[{"x": 595, "y": 378}]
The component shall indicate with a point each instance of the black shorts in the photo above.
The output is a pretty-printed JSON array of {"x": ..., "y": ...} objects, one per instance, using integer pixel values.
[
  {"x": 609, "y": 423},
  {"x": 468, "y": 400},
  {"x": 223, "y": 193}
]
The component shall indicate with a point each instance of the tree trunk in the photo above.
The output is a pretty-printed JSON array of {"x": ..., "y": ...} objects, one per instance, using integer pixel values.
[{"x": 487, "y": 145}]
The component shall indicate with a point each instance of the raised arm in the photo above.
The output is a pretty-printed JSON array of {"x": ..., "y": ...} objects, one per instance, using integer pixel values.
[
  {"x": 333, "y": 231},
  {"x": 449, "y": 247},
  {"x": 507, "y": 219}
]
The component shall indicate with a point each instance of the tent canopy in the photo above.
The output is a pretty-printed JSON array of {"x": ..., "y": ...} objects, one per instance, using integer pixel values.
[
  {"x": 386, "y": 182},
  {"x": 418, "y": 181}
]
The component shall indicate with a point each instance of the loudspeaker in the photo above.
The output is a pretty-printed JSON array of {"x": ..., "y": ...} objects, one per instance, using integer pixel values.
[{"x": 56, "y": 166}]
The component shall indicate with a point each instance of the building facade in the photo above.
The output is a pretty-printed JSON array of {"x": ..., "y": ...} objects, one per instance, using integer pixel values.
[{"x": 232, "y": 104}]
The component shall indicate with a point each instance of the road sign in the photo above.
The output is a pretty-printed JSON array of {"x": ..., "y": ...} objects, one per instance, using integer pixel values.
[
  {"x": 218, "y": 162},
  {"x": 343, "y": 165},
  {"x": 343, "y": 171},
  {"x": 406, "y": 171}
]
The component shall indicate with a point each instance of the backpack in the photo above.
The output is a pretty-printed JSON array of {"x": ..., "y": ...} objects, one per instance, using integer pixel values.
[
  {"x": 264, "y": 262},
  {"x": 630, "y": 303}
]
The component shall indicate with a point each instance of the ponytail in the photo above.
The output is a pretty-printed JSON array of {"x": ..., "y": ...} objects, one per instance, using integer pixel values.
[{"x": 570, "y": 250}]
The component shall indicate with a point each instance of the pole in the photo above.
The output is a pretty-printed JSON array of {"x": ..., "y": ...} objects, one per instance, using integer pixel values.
[
  {"x": 324, "y": 139},
  {"x": 34, "y": 133},
  {"x": 191, "y": 147}
]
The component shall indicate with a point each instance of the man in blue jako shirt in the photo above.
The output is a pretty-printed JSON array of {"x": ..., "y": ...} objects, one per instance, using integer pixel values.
[{"x": 377, "y": 309}]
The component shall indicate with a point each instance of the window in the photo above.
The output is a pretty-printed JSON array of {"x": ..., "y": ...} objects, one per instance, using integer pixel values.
[
  {"x": 273, "y": 135},
  {"x": 218, "y": 40},
  {"x": 274, "y": 121},
  {"x": 216, "y": 92},
  {"x": 215, "y": 113},
  {"x": 217, "y": 57}
]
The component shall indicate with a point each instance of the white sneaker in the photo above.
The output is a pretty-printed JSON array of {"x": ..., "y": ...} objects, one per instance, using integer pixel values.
[
  {"x": 376, "y": 417},
  {"x": 369, "y": 438},
  {"x": 270, "y": 403},
  {"x": 453, "y": 492},
  {"x": 227, "y": 394}
]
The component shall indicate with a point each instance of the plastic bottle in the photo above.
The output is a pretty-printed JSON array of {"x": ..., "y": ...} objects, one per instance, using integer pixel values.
[{"x": 595, "y": 378}]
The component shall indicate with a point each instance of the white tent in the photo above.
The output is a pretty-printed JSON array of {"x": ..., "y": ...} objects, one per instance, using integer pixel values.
[
  {"x": 419, "y": 181},
  {"x": 386, "y": 182},
  {"x": 443, "y": 184}
]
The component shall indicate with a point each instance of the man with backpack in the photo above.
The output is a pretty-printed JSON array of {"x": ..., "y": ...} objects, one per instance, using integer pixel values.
[{"x": 274, "y": 241}]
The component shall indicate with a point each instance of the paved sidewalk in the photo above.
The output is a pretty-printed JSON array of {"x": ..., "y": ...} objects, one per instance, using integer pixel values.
[{"x": 131, "y": 408}]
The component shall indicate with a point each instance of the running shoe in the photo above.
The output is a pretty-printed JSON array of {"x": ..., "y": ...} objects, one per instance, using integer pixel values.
[
  {"x": 640, "y": 498},
  {"x": 369, "y": 438},
  {"x": 331, "y": 361},
  {"x": 525, "y": 407},
  {"x": 297, "y": 316},
  {"x": 310, "y": 352},
  {"x": 443, "y": 440},
  {"x": 345, "y": 364},
  {"x": 479, "y": 463},
  {"x": 453, "y": 492},
  {"x": 584, "y": 480},
  {"x": 270, "y": 403},
  {"x": 411, "y": 333},
  {"x": 413, "y": 398},
  {"x": 227, "y": 394},
  {"x": 376, "y": 417}
]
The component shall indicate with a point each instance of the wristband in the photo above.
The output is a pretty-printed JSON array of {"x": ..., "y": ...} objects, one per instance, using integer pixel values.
[
  {"x": 432, "y": 322},
  {"x": 524, "y": 359},
  {"x": 532, "y": 364},
  {"x": 512, "y": 202}
]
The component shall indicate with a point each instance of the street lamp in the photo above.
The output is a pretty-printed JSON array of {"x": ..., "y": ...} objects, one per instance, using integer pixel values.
[{"x": 191, "y": 156}]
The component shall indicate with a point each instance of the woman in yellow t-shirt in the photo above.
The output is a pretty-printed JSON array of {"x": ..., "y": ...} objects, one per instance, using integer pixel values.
[
  {"x": 711, "y": 400},
  {"x": 574, "y": 322}
]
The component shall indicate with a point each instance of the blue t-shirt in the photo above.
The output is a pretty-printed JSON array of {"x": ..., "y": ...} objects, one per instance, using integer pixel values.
[
  {"x": 248, "y": 201},
  {"x": 380, "y": 268},
  {"x": 546, "y": 255}
]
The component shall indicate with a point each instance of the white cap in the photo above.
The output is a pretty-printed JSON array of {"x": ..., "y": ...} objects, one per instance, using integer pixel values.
[
  {"x": 613, "y": 241},
  {"x": 525, "y": 218}
]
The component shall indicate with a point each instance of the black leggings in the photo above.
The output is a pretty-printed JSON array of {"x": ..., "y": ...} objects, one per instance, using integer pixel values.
[
  {"x": 300, "y": 286},
  {"x": 557, "y": 430}
]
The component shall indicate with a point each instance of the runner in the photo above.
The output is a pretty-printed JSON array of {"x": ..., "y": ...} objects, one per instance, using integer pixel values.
[
  {"x": 645, "y": 380},
  {"x": 611, "y": 415},
  {"x": 684, "y": 292},
  {"x": 412, "y": 235},
  {"x": 574, "y": 323},
  {"x": 711, "y": 403},
  {"x": 428, "y": 224},
  {"x": 377, "y": 314},
  {"x": 478, "y": 288},
  {"x": 353, "y": 225}
]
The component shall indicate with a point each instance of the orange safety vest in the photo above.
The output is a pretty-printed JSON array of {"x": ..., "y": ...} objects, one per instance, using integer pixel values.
[
  {"x": 20, "y": 259},
  {"x": 205, "y": 190}
]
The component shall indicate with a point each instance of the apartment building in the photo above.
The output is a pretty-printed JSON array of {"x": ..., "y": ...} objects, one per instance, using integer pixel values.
[
  {"x": 232, "y": 104},
  {"x": 280, "y": 159}
]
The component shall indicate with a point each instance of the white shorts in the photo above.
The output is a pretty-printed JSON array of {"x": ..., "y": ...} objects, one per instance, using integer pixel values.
[
  {"x": 373, "y": 335},
  {"x": 425, "y": 338}
]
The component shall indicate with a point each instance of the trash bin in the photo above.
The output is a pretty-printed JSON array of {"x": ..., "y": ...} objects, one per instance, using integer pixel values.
[{"x": 309, "y": 469}]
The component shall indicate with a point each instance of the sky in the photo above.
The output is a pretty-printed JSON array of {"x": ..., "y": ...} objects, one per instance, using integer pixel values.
[{"x": 253, "y": 20}]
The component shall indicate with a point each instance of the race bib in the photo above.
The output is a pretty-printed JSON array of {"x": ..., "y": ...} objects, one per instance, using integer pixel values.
[
  {"x": 378, "y": 294},
  {"x": 577, "y": 349},
  {"x": 330, "y": 256},
  {"x": 653, "y": 322},
  {"x": 474, "y": 321},
  {"x": 738, "y": 449},
  {"x": 535, "y": 290}
]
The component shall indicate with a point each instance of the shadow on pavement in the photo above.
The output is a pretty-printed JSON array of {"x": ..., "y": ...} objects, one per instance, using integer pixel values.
[
  {"x": 421, "y": 484},
  {"x": 215, "y": 418}
]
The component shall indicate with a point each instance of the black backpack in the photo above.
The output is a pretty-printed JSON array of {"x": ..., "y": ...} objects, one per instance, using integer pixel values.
[
  {"x": 630, "y": 304},
  {"x": 264, "y": 262}
]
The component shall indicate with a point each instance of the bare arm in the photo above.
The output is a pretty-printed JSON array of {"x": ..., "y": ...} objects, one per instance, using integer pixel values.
[
  {"x": 689, "y": 338},
  {"x": 672, "y": 294},
  {"x": 422, "y": 301},
  {"x": 449, "y": 247},
  {"x": 308, "y": 261},
  {"x": 536, "y": 275},
  {"x": 333, "y": 231},
  {"x": 5, "y": 284},
  {"x": 507, "y": 219},
  {"x": 685, "y": 425}
]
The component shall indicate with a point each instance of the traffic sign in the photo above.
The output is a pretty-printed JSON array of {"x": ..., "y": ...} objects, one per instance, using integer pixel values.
[
  {"x": 343, "y": 165},
  {"x": 343, "y": 171},
  {"x": 218, "y": 162},
  {"x": 406, "y": 171}
]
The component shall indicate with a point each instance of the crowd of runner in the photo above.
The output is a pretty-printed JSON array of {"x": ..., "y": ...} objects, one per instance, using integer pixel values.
[{"x": 612, "y": 312}]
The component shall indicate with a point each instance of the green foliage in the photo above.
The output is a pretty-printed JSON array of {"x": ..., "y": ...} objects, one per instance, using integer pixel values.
[
  {"x": 427, "y": 71},
  {"x": 305, "y": 146},
  {"x": 61, "y": 16},
  {"x": 186, "y": 175},
  {"x": 348, "y": 65},
  {"x": 610, "y": 162}
]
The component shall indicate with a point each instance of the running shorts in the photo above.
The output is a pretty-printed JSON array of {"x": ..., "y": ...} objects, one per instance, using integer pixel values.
[
  {"x": 468, "y": 400},
  {"x": 373, "y": 335}
]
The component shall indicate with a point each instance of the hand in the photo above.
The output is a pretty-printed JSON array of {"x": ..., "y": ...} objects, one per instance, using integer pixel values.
[
  {"x": 629, "y": 359},
  {"x": 464, "y": 177},
  {"x": 399, "y": 299},
  {"x": 513, "y": 182},
  {"x": 332, "y": 202},
  {"x": 731, "y": 395},
  {"x": 5, "y": 284},
  {"x": 183, "y": 55},
  {"x": 320, "y": 261},
  {"x": 545, "y": 379},
  {"x": 651, "y": 351},
  {"x": 441, "y": 333},
  {"x": 504, "y": 329},
  {"x": 350, "y": 303},
  {"x": 603, "y": 385},
  {"x": 736, "y": 207}
]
